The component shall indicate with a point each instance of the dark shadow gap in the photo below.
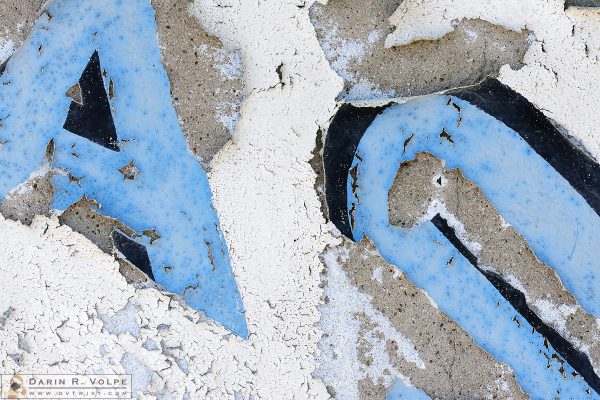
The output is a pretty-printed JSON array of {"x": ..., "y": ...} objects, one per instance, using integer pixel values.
[
  {"x": 582, "y": 3},
  {"x": 134, "y": 252}
]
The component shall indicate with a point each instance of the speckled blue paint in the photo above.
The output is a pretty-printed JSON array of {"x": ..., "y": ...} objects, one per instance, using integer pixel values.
[
  {"x": 172, "y": 194},
  {"x": 555, "y": 220}
]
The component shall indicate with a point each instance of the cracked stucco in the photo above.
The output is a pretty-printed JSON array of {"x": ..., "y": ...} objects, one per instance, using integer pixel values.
[
  {"x": 263, "y": 191},
  {"x": 73, "y": 312},
  {"x": 67, "y": 309}
]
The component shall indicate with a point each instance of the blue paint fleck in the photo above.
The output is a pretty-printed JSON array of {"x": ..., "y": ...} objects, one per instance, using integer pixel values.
[{"x": 400, "y": 391}]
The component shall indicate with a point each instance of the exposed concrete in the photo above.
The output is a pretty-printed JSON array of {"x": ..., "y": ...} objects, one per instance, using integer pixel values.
[
  {"x": 206, "y": 78},
  {"x": 270, "y": 217},
  {"x": 16, "y": 20},
  {"x": 206, "y": 86},
  {"x": 370, "y": 390},
  {"x": 34, "y": 196},
  {"x": 352, "y": 34},
  {"x": 560, "y": 68},
  {"x": 454, "y": 367},
  {"x": 133, "y": 275},
  {"x": 263, "y": 188},
  {"x": 425, "y": 181},
  {"x": 83, "y": 218},
  {"x": 129, "y": 171},
  {"x": 316, "y": 162},
  {"x": 74, "y": 93}
]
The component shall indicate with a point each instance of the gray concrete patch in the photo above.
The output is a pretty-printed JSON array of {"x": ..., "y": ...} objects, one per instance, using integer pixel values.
[
  {"x": 133, "y": 275},
  {"x": 316, "y": 162},
  {"x": 206, "y": 78},
  {"x": 82, "y": 217},
  {"x": 206, "y": 88},
  {"x": 33, "y": 196},
  {"x": 454, "y": 367},
  {"x": 352, "y": 35},
  {"x": 502, "y": 249},
  {"x": 129, "y": 171},
  {"x": 16, "y": 20}
]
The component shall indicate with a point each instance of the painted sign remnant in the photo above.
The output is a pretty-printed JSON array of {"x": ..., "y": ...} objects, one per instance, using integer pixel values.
[
  {"x": 170, "y": 194},
  {"x": 540, "y": 201}
]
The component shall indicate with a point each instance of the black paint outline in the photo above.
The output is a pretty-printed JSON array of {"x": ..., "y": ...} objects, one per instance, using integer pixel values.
[
  {"x": 515, "y": 111},
  {"x": 343, "y": 136},
  {"x": 133, "y": 251},
  {"x": 499, "y": 101}
]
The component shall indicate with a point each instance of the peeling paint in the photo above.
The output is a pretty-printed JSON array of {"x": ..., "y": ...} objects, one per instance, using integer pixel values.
[
  {"x": 352, "y": 34},
  {"x": 500, "y": 249},
  {"x": 205, "y": 76},
  {"x": 77, "y": 309},
  {"x": 385, "y": 144},
  {"x": 450, "y": 365}
]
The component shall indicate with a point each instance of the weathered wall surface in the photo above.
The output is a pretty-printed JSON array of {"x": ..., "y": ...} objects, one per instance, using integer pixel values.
[
  {"x": 352, "y": 35},
  {"x": 255, "y": 85}
]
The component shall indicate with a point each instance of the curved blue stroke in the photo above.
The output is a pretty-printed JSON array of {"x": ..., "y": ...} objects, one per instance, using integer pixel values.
[
  {"x": 172, "y": 193},
  {"x": 558, "y": 224}
]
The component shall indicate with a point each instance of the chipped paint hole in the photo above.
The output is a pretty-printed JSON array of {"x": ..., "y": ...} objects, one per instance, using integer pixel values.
[
  {"x": 129, "y": 171},
  {"x": 439, "y": 180},
  {"x": 152, "y": 234},
  {"x": 407, "y": 142},
  {"x": 111, "y": 88},
  {"x": 446, "y": 135}
]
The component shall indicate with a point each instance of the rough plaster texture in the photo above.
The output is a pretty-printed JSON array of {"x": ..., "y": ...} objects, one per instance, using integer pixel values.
[
  {"x": 560, "y": 67},
  {"x": 205, "y": 76},
  {"x": 371, "y": 303},
  {"x": 424, "y": 186},
  {"x": 352, "y": 34}
]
